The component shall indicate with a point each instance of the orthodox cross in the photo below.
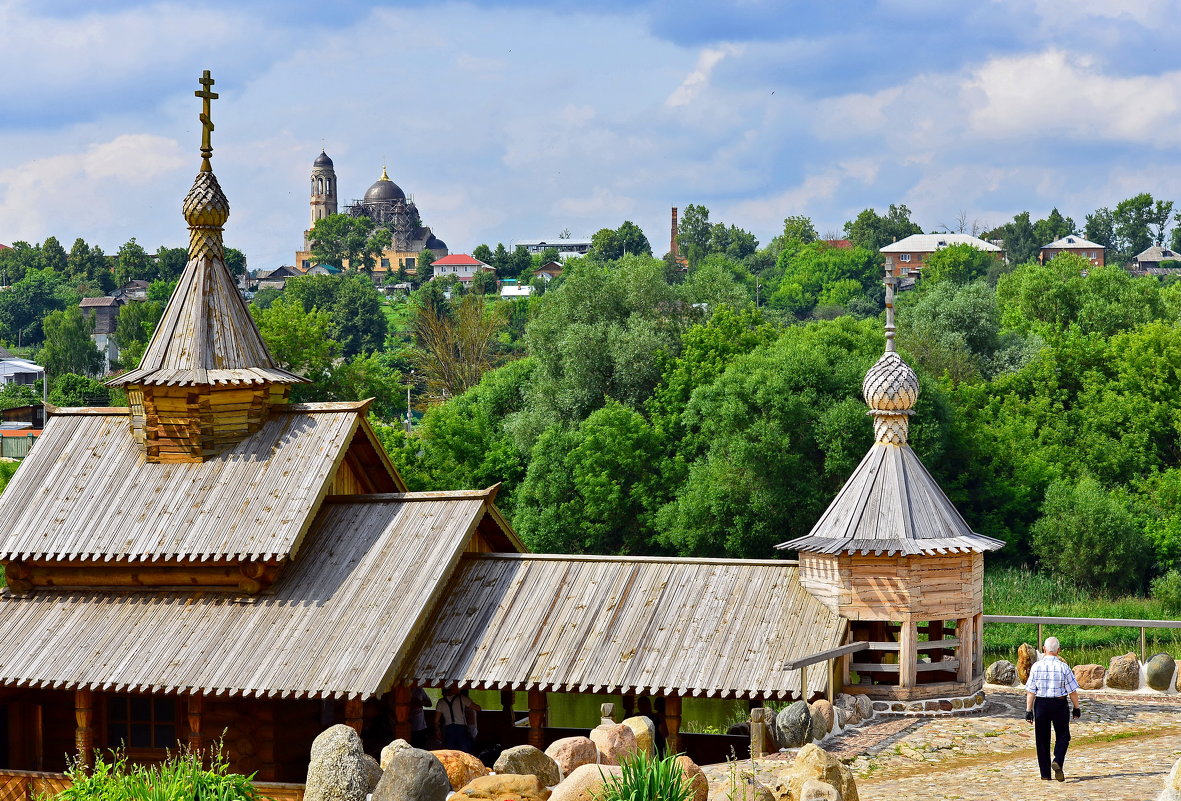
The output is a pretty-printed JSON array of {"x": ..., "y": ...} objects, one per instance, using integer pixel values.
[
  {"x": 890, "y": 279},
  {"x": 206, "y": 121}
]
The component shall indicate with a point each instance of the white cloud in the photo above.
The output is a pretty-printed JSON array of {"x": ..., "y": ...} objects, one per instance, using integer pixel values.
[{"x": 697, "y": 80}]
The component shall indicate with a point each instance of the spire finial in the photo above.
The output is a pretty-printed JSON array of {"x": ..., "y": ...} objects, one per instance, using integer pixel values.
[
  {"x": 890, "y": 279},
  {"x": 384, "y": 175},
  {"x": 206, "y": 121}
]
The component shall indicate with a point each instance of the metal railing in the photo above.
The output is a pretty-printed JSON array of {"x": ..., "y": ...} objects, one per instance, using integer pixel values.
[{"x": 1143, "y": 625}]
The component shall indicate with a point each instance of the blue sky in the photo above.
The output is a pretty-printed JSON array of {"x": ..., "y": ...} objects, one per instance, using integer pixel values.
[{"x": 513, "y": 119}]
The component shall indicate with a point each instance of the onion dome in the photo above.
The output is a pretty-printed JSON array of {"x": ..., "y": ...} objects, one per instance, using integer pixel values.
[
  {"x": 384, "y": 189},
  {"x": 322, "y": 160},
  {"x": 434, "y": 243}
]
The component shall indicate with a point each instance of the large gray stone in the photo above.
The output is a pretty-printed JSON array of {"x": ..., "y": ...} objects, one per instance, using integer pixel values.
[
  {"x": 413, "y": 775},
  {"x": 819, "y": 724},
  {"x": 794, "y": 723},
  {"x": 1124, "y": 672},
  {"x": 1002, "y": 672},
  {"x": 339, "y": 768},
  {"x": 865, "y": 706},
  {"x": 1158, "y": 671},
  {"x": 526, "y": 760}
]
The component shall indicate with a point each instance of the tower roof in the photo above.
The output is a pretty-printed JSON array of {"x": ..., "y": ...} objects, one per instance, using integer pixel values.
[
  {"x": 206, "y": 334},
  {"x": 384, "y": 189},
  {"x": 322, "y": 160},
  {"x": 891, "y": 504}
]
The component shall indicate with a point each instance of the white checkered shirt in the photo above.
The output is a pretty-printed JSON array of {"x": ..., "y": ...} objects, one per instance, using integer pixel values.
[{"x": 1050, "y": 677}]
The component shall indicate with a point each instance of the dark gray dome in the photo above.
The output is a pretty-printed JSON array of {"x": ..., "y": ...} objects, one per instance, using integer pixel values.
[
  {"x": 434, "y": 243},
  {"x": 322, "y": 160},
  {"x": 384, "y": 189}
]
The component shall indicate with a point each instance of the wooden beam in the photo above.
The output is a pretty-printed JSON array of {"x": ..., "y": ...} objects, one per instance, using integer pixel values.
[
  {"x": 354, "y": 713},
  {"x": 758, "y": 733},
  {"x": 963, "y": 630},
  {"x": 908, "y": 639},
  {"x": 672, "y": 722},
  {"x": 537, "y": 715},
  {"x": 194, "y": 708},
  {"x": 402, "y": 712},
  {"x": 84, "y": 733}
]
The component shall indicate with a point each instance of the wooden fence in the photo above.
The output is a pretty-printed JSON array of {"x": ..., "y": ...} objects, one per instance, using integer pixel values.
[
  {"x": 27, "y": 785},
  {"x": 16, "y": 447}
]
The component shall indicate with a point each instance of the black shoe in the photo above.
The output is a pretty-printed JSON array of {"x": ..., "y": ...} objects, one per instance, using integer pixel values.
[{"x": 1058, "y": 774}]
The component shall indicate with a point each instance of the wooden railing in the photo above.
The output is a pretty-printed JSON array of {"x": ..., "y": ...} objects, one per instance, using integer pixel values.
[
  {"x": 1143, "y": 625},
  {"x": 28, "y": 785},
  {"x": 829, "y": 657}
]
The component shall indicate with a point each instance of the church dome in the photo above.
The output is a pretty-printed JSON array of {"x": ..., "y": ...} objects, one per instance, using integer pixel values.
[
  {"x": 384, "y": 189},
  {"x": 322, "y": 160},
  {"x": 890, "y": 385},
  {"x": 434, "y": 243}
]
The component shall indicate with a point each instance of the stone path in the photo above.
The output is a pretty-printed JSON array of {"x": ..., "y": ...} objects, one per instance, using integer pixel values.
[{"x": 1121, "y": 750}]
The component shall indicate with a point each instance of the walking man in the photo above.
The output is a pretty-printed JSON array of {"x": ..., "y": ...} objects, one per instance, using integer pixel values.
[{"x": 1051, "y": 682}]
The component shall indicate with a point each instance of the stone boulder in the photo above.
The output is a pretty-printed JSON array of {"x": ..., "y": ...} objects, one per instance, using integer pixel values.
[
  {"x": 816, "y": 790},
  {"x": 848, "y": 704},
  {"x": 752, "y": 790},
  {"x": 819, "y": 728},
  {"x": 794, "y": 723},
  {"x": 696, "y": 776},
  {"x": 1089, "y": 677},
  {"x": 827, "y": 712},
  {"x": 739, "y": 729},
  {"x": 461, "y": 767},
  {"x": 1002, "y": 672},
  {"x": 572, "y": 752},
  {"x": 1124, "y": 672},
  {"x": 614, "y": 742},
  {"x": 339, "y": 768},
  {"x": 504, "y": 787},
  {"x": 840, "y": 718},
  {"x": 865, "y": 706},
  {"x": 387, "y": 753},
  {"x": 645, "y": 731},
  {"x": 813, "y": 762},
  {"x": 1158, "y": 671},
  {"x": 584, "y": 783},
  {"x": 1026, "y": 656},
  {"x": 413, "y": 775},
  {"x": 1172, "y": 790},
  {"x": 526, "y": 760}
]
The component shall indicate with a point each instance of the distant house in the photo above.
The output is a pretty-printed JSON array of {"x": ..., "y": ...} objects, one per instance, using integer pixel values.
[
  {"x": 136, "y": 289},
  {"x": 1075, "y": 244},
  {"x": 839, "y": 244},
  {"x": 549, "y": 271},
  {"x": 15, "y": 370},
  {"x": 104, "y": 312},
  {"x": 578, "y": 247},
  {"x": 1148, "y": 262},
  {"x": 322, "y": 269},
  {"x": 276, "y": 278},
  {"x": 907, "y": 256},
  {"x": 461, "y": 265}
]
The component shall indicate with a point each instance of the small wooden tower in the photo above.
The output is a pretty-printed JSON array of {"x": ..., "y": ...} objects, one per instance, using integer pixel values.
[
  {"x": 206, "y": 380},
  {"x": 894, "y": 557}
]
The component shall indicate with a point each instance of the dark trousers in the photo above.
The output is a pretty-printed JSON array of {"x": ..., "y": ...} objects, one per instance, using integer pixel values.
[{"x": 1051, "y": 712}]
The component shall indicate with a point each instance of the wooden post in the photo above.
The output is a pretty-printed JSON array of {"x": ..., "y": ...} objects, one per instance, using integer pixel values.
[
  {"x": 672, "y": 722},
  {"x": 908, "y": 639},
  {"x": 507, "y": 697},
  {"x": 758, "y": 734},
  {"x": 967, "y": 638},
  {"x": 832, "y": 680},
  {"x": 354, "y": 713},
  {"x": 38, "y": 738},
  {"x": 1039, "y": 638},
  {"x": 935, "y": 632},
  {"x": 537, "y": 718},
  {"x": 1143, "y": 651},
  {"x": 402, "y": 724},
  {"x": 83, "y": 734},
  {"x": 607, "y": 715},
  {"x": 194, "y": 708},
  {"x": 978, "y": 648}
]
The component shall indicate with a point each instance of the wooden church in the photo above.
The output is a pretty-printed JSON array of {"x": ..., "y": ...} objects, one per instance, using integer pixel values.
[{"x": 214, "y": 561}]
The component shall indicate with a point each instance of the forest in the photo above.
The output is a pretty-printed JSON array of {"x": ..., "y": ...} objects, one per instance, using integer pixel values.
[{"x": 711, "y": 407}]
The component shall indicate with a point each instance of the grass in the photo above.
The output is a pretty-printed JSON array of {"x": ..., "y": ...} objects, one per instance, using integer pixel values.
[
  {"x": 1017, "y": 591},
  {"x": 182, "y": 777}
]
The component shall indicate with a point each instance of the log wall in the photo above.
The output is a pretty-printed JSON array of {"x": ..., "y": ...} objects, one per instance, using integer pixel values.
[
  {"x": 859, "y": 587},
  {"x": 192, "y": 423}
]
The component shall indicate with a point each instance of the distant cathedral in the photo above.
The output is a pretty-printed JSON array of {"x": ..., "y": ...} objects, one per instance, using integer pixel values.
[{"x": 386, "y": 204}]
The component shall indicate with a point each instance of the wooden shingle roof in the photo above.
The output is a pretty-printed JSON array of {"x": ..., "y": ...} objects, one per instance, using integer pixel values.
[
  {"x": 624, "y": 624},
  {"x": 336, "y": 623},
  {"x": 85, "y": 491}
]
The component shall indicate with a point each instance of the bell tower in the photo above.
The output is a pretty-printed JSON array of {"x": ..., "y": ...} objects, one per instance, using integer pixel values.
[{"x": 323, "y": 188}]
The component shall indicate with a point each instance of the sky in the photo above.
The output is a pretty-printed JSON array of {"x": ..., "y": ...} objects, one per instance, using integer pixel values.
[{"x": 515, "y": 119}]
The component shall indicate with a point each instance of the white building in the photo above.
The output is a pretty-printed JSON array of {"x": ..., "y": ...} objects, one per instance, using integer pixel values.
[{"x": 15, "y": 370}]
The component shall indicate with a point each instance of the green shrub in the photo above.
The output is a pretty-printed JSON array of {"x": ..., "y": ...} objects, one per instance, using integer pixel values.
[
  {"x": 645, "y": 778},
  {"x": 1167, "y": 590},
  {"x": 182, "y": 777}
]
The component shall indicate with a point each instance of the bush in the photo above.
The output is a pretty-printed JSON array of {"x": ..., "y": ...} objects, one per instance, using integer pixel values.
[
  {"x": 1167, "y": 590},
  {"x": 1087, "y": 535},
  {"x": 645, "y": 778},
  {"x": 182, "y": 777}
]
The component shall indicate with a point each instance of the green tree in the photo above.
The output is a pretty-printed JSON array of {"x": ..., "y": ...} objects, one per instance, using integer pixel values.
[
  {"x": 235, "y": 262},
  {"x": 68, "y": 347},
  {"x": 14, "y": 395},
  {"x": 1088, "y": 536},
  {"x": 805, "y": 274},
  {"x": 693, "y": 232},
  {"x": 358, "y": 323},
  {"x": 1022, "y": 242},
  {"x": 483, "y": 253},
  {"x": 298, "y": 339},
  {"x": 483, "y": 282},
  {"x": 17, "y": 260},
  {"x": 1100, "y": 228},
  {"x": 958, "y": 264},
  {"x": 611, "y": 244},
  {"x": 1052, "y": 228},
  {"x": 1133, "y": 220},
  {"x": 715, "y": 282},
  {"x": 341, "y": 240},
  {"x": 134, "y": 328},
  {"x": 53, "y": 256},
  {"x": 170, "y": 263},
  {"x": 88, "y": 266},
  {"x": 71, "y": 389},
  {"x": 872, "y": 231},
  {"x": 30, "y": 299},
  {"x": 132, "y": 262}
]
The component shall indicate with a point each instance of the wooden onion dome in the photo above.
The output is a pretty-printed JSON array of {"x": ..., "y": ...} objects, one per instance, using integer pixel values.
[
  {"x": 206, "y": 380},
  {"x": 893, "y": 556}
]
